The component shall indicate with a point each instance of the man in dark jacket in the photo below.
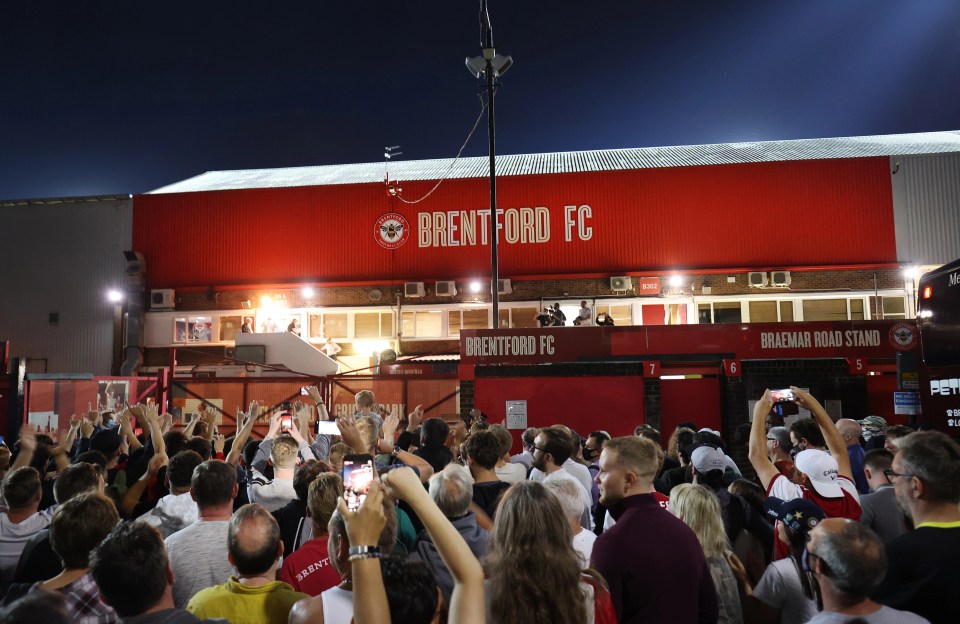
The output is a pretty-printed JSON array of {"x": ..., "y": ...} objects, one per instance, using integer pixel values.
[{"x": 452, "y": 490}]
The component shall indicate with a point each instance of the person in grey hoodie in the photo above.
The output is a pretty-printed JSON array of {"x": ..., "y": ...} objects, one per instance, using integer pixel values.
[{"x": 452, "y": 491}]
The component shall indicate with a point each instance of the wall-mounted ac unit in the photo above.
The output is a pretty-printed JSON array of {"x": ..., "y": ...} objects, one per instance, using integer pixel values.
[
  {"x": 163, "y": 299},
  {"x": 757, "y": 279},
  {"x": 504, "y": 287},
  {"x": 622, "y": 282},
  {"x": 780, "y": 278},
  {"x": 414, "y": 289},
  {"x": 446, "y": 289}
]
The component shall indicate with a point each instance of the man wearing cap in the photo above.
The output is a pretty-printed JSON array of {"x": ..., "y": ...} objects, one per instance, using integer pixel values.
[
  {"x": 923, "y": 574},
  {"x": 708, "y": 466},
  {"x": 825, "y": 478},
  {"x": 785, "y": 592},
  {"x": 850, "y": 432}
]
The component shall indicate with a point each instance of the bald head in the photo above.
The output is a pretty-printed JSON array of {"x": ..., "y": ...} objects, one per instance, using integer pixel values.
[
  {"x": 852, "y": 557},
  {"x": 253, "y": 541},
  {"x": 850, "y": 431}
]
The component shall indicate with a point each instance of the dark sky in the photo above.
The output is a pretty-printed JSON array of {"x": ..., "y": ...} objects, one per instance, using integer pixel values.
[{"x": 104, "y": 97}]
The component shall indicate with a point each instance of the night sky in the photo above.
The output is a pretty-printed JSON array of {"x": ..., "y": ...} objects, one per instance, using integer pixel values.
[{"x": 107, "y": 97}]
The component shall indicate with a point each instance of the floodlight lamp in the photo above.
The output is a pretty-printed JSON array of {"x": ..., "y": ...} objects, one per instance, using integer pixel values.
[
  {"x": 476, "y": 66},
  {"x": 912, "y": 272},
  {"x": 676, "y": 281},
  {"x": 114, "y": 296},
  {"x": 266, "y": 301},
  {"x": 307, "y": 292},
  {"x": 475, "y": 287}
]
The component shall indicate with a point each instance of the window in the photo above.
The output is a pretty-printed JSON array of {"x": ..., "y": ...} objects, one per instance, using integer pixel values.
[
  {"x": 826, "y": 309},
  {"x": 518, "y": 317},
  {"x": 328, "y": 325},
  {"x": 468, "y": 319},
  {"x": 893, "y": 307},
  {"x": 373, "y": 325},
  {"x": 763, "y": 311},
  {"x": 856, "y": 310},
  {"x": 426, "y": 324},
  {"x": 722, "y": 312},
  {"x": 770, "y": 311},
  {"x": 621, "y": 314},
  {"x": 229, "y": 327}
]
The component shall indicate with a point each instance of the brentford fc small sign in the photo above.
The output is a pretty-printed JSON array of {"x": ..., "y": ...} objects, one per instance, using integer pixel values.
[{"x": 392, "y": 230}]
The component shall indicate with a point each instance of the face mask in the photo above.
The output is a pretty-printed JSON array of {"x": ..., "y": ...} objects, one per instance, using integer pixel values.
[{"x": 588, "y": 454}]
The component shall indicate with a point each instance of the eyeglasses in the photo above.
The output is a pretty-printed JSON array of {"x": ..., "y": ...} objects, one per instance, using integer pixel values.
[
  {"x": 889, "y": 474},
  {"x": 537, "y": 448},
  {"x": 771, "y": 439}
]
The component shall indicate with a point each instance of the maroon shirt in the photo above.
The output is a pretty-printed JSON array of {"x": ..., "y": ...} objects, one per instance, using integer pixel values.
[{"x": 654, "y": 565}]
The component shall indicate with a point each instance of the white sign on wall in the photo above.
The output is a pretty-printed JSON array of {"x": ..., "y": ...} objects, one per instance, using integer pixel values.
[{"x": 516, "y": 414}]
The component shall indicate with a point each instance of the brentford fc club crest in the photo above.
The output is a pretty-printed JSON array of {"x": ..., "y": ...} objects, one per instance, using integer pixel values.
[
  {"x": 903, "y": 336},
  {"x": 392, "y": 230}
]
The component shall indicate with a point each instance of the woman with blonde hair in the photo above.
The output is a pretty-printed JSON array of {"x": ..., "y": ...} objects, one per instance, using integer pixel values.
[
  {"x": 534, "y": 573},
  {"x": 699, "y": 509}
]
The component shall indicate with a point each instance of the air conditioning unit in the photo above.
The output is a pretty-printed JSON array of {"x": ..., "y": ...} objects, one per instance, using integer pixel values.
[
  {"x": 780, "y": 278},
  {"x": 446, "y": 289},
  {"x": 757, "y": 279},
  {"x": 504, "y": 287},
  {"x": 622, "y": 282},
  {"x": 163, "y": 299},
  {"x": 414, "y": 289}
]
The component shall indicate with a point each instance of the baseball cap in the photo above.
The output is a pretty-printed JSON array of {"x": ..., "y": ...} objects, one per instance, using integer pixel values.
[
  {"x": 707, "y": 458},
  {"x": 873, "y": 422},
  {"x": 822, "y": 469},
  {"x": 799, "y": 515},
  {"x": 107, "y": 441}
]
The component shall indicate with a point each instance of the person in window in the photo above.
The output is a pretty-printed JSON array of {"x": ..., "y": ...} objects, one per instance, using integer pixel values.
[
  {"x": 294, "y": 327},
  {"x": 604, "y": 319},
  {"x": 559, "y": 318},
  {"x": 331, "y": 348},
  {"x": 247, "y": 327},
  {"x": 545, "y": 318}
]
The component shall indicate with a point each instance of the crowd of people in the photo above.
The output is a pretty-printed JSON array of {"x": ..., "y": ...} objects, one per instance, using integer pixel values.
[{"x": 840, "y": 521}]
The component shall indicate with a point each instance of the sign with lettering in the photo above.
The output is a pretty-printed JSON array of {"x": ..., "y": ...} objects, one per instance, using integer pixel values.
[{"x": 649, "y": 286}]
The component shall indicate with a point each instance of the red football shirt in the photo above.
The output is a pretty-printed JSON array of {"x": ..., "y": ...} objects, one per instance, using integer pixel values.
[{"x": 309, "y": 569}]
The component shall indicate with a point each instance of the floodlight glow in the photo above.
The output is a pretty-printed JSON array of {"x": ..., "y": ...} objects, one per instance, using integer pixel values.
[
  {"x": 307, "y": 292},
  {"x": 676, "y": 281},
  {"x": 911, "y": 272},
  {"x": 475, "y": 287},
  {"x": 266, "y": 301},
  {"x": 369, "y": 347},
  {"x": 114, "y": 296}
]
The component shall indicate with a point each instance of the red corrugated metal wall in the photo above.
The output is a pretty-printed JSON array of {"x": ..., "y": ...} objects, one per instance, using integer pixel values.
[{"x": 806, "y": 213}]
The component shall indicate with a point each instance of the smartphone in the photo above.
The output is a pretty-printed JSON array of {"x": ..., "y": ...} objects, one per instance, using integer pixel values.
[
  {"x": 286, "y": 422},
  {"x": 327, "y": 427},
  {"x": 304, "y": 391},
  {"x": 780, "y": 396},
  {"x": 357, "y": 476}
]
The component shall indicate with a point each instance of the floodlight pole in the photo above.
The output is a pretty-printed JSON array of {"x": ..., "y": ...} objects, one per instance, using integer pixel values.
[{"x": 488, "y": 54}]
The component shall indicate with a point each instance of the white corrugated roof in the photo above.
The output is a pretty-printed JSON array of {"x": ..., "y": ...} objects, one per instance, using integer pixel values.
[{"x": 572, "y": 162}]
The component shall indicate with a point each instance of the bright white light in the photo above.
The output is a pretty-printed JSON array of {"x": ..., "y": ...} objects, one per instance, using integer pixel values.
[
  {"x": 369, "y": 347},
  {"x": 307, "y": 292},
  {"x": 911, "y": 272},
  {"x": 925, "y": 313},
  {"x": 266, "y": 301},
  {"x": 114, "y": 296},
  {"x": 676, "y": 281},
  {"x": 475, "y": 287}
]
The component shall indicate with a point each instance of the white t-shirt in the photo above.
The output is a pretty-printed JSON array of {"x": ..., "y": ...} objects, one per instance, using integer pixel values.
[
  {"x": 13, "y": 538},
  {"x": 583, "y": 544},
  {"x": 884, "y": 615},
  {"x": 578, "y": 470},
  {"x": 271, "y": 494},
  {"x": 172, "y": 513},
  {"x": 512, "y": 473},
  {"x": 780, "y": 588},
  {"x": 198, "y": 558},
  {"x": 337, "y": 606}
]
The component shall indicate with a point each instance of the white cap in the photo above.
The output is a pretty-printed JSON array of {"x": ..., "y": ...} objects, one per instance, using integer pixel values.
[
  {"x": 707, "y": 458},
  {"x": 822, "y": 470}
]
